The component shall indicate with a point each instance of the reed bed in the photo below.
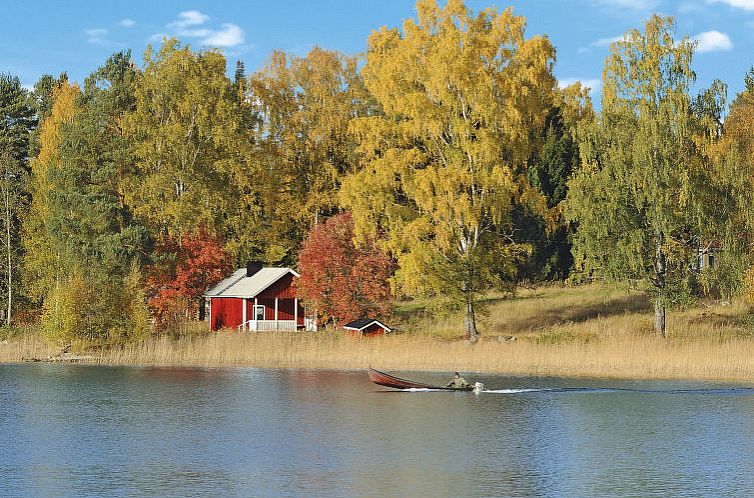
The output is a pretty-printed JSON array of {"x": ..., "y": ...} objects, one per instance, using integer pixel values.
[
  {"x": 588, "y": 331},
  {"x": 27, "y": 345},
  {"x": 615, "y": 357}
]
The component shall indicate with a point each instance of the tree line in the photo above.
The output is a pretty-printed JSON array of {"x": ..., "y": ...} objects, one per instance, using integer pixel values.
[{"x": 442, "y": 163}]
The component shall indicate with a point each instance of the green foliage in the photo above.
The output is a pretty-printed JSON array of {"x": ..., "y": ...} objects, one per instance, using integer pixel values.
[
  {"x": 450, "y": 145},
  {"x": 43, "y": 262},
  {"x": 82, "y": 219},
  {"x": 638, "y": 197},
  {"x": 135, "y": 324},
  {"x": 17, "y": 122},
  {"x": 731, "y": 155},
  {"x": 61, "y": 314},
  {"x": 550, "y": 171},
  {"x": 95, "y": 310},
  {"x": 89, "y": 185},
  {"x": 559, "y": 158},
  {"x": 17, "y": 118}
]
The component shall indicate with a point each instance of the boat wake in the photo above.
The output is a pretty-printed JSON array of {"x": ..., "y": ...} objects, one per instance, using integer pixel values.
[
  {"x": 424, "y": 390},
  {"x": 556, "y": 390},
  {"x": 484, "y": 391}
]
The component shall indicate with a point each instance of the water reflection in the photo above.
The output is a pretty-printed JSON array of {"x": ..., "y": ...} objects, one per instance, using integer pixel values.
[{"x": 87, "y": 431}]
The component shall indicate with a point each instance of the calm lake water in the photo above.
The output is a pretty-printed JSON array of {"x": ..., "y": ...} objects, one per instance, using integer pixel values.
[{"x": 69, "y": 430}]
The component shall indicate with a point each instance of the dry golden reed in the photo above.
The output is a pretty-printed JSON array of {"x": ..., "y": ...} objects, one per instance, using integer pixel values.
[
  {"x": 29, "y": 345},
  {"x": 618, "y": 357},
  {"x": 587, "y": 331}
]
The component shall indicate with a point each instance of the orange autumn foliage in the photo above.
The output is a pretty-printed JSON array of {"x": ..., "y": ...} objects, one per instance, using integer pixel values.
[
  {"x": 185, "y": 269},
  {"x": 341, "y": 280}
]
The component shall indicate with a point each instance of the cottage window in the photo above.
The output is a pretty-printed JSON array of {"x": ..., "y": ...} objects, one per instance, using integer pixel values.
[{"x": 259, "y": 312}]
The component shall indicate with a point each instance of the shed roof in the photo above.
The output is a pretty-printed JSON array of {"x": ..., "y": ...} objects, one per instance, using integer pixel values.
[
  {"x": 239, "y": 285},
  {"x": 362, "y": 323}
]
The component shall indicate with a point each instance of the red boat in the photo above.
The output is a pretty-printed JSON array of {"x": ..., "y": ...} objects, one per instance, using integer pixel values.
[{"x": 387, "y": 380}]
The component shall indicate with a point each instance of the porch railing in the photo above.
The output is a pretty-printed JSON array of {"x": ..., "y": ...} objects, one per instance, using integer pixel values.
[{"x": 268, "y": 325}]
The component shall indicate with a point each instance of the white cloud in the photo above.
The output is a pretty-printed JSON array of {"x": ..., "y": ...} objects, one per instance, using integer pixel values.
[
  {"x": 96, "y": 35},
  {"x": 194, "y": 33},
  {"x": 606, "y": 42},
  {"x": 158, "y": 37},
  {"x": 189, "y": 18},
  {"x": 601, "y": 42},
  {"x": 229, "y": 36},
  {"x": 739, "y": 4},
  {"x": 593, "y": 83},
  {"x": 193, "y": 24},
  {"x": 127, "y": 23},
  {"x": 712, "y": 41}
]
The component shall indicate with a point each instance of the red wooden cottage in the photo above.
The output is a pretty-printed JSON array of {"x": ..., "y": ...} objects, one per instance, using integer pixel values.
[
  {"x": 367, "y": 326},
  {"x": 256, "y": 298}
]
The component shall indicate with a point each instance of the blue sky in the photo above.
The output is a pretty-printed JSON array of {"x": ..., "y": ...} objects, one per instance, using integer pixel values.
[{"x": 51, "y": 36}]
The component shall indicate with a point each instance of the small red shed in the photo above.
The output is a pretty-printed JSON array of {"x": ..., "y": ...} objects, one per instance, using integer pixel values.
[
  {"x": 367, "y": 326},
  {"x": 256, "y": 298}
]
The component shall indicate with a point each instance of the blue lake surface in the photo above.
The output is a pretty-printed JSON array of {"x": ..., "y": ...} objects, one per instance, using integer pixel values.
[{"x": 81, "y": 431}]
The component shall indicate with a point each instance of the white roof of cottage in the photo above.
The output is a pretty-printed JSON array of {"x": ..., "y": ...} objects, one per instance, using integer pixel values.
[
  {"x": 227, "y": 283},
  {"x": 239, "y": 285}
]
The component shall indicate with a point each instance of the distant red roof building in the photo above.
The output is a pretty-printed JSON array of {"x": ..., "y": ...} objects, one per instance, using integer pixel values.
[{"x": 367, "y": 326}]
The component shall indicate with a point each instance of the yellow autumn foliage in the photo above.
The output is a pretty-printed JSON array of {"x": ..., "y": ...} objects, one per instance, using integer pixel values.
[
  {"x": 464, "y": 98},
  {"x": 42, "y": 260}
]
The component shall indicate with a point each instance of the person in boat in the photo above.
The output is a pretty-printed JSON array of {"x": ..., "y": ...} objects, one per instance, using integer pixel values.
[{"x": 458, "y": 382}]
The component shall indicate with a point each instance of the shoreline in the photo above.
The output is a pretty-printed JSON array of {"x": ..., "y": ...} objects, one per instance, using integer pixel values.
[{"x": 634, "y": 358}]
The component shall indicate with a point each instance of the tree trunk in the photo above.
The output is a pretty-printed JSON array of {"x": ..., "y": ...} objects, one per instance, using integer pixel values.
[
  {"x": 9, "y": 254},
  {"x": 660, "y": 318},
  {"x": 659, "y": 282},
  {"x": 469, "y": 323}
]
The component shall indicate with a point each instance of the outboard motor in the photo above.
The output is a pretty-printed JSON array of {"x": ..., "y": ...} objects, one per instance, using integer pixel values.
[{"x": 478, "y": 387}]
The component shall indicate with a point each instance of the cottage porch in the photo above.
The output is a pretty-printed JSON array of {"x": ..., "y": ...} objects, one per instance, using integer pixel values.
[{"x": 272, "y": 314}]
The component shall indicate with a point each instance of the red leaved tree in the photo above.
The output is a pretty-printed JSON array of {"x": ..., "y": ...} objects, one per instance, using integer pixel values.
[
  {"x": 182, "y": 272},
  {"x": 340, "y": 280}
]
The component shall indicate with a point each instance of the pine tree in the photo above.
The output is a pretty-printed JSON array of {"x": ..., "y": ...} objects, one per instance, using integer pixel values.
[{"x": 550, "y": 171}]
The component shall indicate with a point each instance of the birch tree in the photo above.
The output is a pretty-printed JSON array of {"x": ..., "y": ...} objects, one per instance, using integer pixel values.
[
  {"x": 464, "y": 98},
  {"x": 16, "y": 125},
  {"x": 43, "y": 261},
  {"x": 184, "y": 129},
  {"x": 302, "y": 145},
  {"x": 637, "y": 198}
]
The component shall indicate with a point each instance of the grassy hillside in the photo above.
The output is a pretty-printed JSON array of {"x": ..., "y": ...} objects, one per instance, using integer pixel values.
[{"x": 556, "y": 314}]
